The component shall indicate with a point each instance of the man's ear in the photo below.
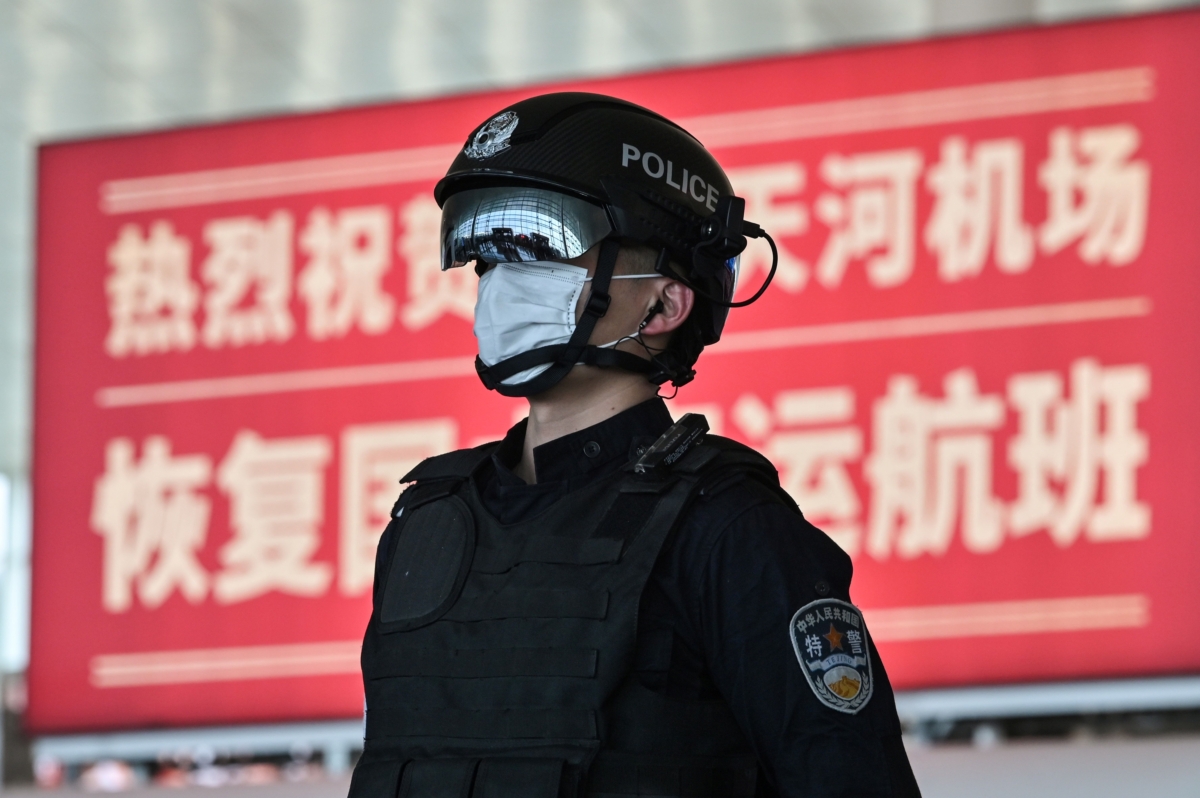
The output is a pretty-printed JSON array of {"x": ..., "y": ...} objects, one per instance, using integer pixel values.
[{"x": 677, "y": 301}]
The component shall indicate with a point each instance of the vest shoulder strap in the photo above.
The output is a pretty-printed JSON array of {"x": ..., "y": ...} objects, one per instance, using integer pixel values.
[
  {"x": 720, "y": 463},
  {"x": 717, "y": 454},
  {"x": 457, "y": 465}
]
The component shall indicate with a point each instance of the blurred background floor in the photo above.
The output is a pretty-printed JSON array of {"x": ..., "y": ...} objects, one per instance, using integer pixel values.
[
  {"x": 1162, "y": 767},
  {"x": 332, "y": 788}
]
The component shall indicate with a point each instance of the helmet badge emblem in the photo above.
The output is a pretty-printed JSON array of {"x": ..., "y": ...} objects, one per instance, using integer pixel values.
[{"x": 493, "y": 136}]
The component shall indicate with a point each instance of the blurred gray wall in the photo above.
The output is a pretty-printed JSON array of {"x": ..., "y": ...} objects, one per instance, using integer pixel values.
[{"x": 72, "y": 68}]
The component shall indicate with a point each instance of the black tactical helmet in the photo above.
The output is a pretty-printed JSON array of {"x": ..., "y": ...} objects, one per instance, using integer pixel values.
[{"x": 641, "y": 179}]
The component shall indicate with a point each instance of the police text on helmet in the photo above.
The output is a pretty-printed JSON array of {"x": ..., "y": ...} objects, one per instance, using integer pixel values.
[{"x": 660, "y": 169}]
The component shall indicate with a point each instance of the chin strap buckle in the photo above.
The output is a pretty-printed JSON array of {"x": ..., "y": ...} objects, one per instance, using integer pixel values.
[
  {"x": 665, "y": 366},
  {"x": 597, "y": 304},
  {"x": 683, "y": 378}
]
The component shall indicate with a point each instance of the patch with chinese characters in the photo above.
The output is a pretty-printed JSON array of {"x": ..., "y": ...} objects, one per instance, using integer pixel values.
[
  {"x": 493, "y": 136},
  {"x": 830, "y": 639}
]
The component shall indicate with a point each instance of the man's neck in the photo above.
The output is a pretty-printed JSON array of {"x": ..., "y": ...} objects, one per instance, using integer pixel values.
[{"x": 576, "y": 404}]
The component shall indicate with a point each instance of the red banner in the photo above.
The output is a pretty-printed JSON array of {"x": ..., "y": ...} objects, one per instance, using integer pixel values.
[{"x": 975, "y": 368}]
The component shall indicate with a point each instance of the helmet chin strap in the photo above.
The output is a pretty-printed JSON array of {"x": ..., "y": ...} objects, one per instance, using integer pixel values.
[{"x": 577, "y": 350}]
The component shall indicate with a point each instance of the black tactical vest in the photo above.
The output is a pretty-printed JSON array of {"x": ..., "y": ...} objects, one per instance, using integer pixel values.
[{"x": 498, "y": 659}]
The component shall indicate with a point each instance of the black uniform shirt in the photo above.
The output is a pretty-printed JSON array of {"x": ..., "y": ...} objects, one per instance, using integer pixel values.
[{"x": 714, "y": 618}]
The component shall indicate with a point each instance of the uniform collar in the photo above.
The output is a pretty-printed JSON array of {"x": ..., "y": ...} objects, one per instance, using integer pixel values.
[{"x": 581, "y": 456}]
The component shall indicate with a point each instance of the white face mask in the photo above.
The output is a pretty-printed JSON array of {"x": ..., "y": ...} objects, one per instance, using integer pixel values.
[{"x": 523, "y": 306}]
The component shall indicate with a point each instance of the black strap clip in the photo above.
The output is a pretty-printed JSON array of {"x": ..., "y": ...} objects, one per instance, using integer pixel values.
[
  {"x": 597, "y": 304},
  {"x": 666, "y": 366}
]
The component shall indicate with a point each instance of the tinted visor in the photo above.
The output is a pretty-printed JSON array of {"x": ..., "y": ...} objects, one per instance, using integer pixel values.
[{"x": 516, "y": 223}]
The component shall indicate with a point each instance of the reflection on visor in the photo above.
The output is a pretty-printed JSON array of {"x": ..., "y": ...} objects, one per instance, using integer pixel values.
[{"x": 515, "y": 224}]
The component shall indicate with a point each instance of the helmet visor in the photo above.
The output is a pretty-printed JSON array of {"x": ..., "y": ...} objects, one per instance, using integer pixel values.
[{"x": 510, "y": 224}]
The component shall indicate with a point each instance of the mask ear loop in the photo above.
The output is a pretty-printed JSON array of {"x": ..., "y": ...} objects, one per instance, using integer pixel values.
[
  {"x": 637, "y": 336},
  {"x": 651, "y": 351}
]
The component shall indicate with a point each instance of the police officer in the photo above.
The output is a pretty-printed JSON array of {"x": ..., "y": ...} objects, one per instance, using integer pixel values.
[{"x": 606, "y": 602}]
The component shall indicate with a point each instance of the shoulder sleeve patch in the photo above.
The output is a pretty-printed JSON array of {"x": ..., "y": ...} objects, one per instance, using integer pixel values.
[{"x": 830, "y": 640}]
